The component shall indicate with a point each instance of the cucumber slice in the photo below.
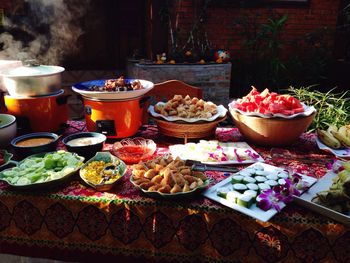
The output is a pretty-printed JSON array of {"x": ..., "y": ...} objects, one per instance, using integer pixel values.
[
  {"x": 283, "y": 174},
  {"x": 260, "y": 179},
  {"x": 236, "y": 179},
  {"x": 263, "y": 186},
  {"x": 272, "y": 177},
  {"x": 239, "y": 187},
  {"x": 254, "y": 187},
  {"x": 248, "y": 180},
  {"x": 232, "y": 196},
  {"x": 271, "y": 183},
  {"x": 222, "y": 192},
  {"x": 252, "y": 193},
  {"x": 245, "y": 200}
]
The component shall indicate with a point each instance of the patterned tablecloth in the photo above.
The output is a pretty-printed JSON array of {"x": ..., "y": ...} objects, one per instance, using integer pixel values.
[{"x": 74, "y": 222}]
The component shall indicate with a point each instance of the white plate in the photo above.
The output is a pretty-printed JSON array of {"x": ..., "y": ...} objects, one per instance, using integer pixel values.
[
  {"x": 323, "y": 184},
  {"x": 221, "y": 113},
  {"x": 253, "y": 211},
  {"x": 83, "y": 89},
  {"x": 308, "y": 110},
  {"x": 343, "y": 152},
  {"x": 200, "y": 152}
]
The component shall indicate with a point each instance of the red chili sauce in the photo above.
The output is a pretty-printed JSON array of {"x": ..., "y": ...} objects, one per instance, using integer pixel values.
[{"x": 131, "y": 154}]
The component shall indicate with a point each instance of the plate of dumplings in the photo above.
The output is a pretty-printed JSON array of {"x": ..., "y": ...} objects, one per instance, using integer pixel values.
[{"x": 166, "y": 177}]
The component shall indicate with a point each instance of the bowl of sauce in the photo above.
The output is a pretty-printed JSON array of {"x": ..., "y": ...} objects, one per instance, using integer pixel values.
[
  {"x": 134, "y": 150},
  {"x": 85, "y": 144},
  {"x": 33, "y": 143}
]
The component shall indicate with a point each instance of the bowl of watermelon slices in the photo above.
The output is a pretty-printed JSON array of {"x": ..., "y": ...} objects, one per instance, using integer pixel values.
[{"x": 271, "y": 119}]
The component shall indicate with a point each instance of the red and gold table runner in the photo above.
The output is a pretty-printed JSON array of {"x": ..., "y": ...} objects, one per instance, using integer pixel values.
[{"x": 74, "y": 222}]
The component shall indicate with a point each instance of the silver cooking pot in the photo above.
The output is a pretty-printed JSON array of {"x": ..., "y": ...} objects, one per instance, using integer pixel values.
[{"x": 33, "y": 80}]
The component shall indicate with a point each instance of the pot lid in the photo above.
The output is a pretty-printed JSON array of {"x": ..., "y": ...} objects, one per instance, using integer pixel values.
[{"x": 26, "y": 71}]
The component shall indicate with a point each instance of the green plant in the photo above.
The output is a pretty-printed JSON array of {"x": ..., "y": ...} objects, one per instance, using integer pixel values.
[
  {"x": 332, "y": 108},
  {"x": 270, "y": 61},
  {"x": 263, "y": 44}
]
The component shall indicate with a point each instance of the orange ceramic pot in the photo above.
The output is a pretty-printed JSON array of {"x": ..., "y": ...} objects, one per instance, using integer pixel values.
[
  {"x": 42, "y": 114},
  {"x": 114, "y": 118}
]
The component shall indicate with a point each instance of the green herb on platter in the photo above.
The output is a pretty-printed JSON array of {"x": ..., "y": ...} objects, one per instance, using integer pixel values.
[{"x": 332, "y": 108}]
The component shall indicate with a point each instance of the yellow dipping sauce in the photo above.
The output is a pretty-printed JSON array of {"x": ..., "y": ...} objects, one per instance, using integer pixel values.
[{"x": 34, "y": 142}]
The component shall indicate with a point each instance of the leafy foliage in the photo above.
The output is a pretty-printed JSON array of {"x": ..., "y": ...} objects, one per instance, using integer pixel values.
[{"x": 332, "y": 108}]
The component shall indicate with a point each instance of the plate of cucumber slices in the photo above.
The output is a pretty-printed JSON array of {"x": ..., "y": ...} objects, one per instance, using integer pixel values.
[{"x": 242, "y": 190}]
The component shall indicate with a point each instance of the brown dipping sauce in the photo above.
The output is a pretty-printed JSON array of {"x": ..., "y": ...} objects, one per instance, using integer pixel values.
[{"x": 34, "y": 142}]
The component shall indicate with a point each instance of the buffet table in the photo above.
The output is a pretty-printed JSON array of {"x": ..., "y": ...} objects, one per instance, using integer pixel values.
[{"x": 73, "y": 222}]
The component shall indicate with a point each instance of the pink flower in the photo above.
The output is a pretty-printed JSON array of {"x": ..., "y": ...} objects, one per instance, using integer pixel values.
[
  {"x": 269, "y": 198},
  {"x": 239, "y": 159},
  {"x": 251, "y": 154}
]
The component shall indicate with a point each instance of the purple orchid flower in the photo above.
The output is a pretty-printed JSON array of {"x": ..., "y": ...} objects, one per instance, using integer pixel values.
[
  {"x": 213, "y": 156},
  {"x": 269, "y": 198},
  {"x": 252, "y": 154}
]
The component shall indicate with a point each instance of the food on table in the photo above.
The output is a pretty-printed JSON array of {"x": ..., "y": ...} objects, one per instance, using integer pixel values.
[
  {"x": 334, "y": 137},
  {"x": 268, "y": 102},
  {"x": 100, "y": 172},
  {"x": 265, "y": 188},
  {"x": 119, "y": 84},
  {"x": 134, "y": 150},
  {"x": 215, "y": 151},
  {"x": 31, "y": 142},
  {"x": 83, "y": 141},
  {"x": 186, "y": 107},
  {"x": 34, "y": 169},
  {"x": 337, "y": 197},
  {"x": 167, "y": 176}
]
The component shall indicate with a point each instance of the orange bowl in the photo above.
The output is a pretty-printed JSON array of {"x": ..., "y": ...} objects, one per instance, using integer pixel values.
[{"x": 271, "y": 131}]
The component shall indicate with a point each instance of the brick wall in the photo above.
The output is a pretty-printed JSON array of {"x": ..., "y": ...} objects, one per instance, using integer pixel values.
[
  {"x": 223, "y": 34},
  {"x": 213, "y": 79}
]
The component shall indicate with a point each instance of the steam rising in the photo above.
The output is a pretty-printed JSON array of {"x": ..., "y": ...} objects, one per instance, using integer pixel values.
[{"x": 53, "y": 30}]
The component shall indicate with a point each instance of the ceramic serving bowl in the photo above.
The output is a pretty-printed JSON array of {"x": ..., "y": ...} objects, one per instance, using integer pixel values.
[
  {"x": 103, "y": 171},
  {"x": 85, "y": 144},
  {"x": 271, "y": 131},
  {"x": 134, "y": 150},
  {"x": 33, "y": 143},
  {"x": 8, "y": 129}
]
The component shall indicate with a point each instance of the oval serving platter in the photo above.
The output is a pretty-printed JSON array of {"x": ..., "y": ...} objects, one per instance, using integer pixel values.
[
  {"x": 43, "y": 184},
  {"x": 156, "y": 194}
]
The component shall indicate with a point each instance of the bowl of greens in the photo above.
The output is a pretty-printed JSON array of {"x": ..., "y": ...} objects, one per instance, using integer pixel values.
[{"x": 42, "y": 170}]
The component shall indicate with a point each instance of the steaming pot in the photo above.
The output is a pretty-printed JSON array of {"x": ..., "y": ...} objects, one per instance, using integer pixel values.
[{"x": 32, "y": 80}]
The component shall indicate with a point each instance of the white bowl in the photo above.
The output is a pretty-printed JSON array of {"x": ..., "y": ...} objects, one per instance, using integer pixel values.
[{"x": 8, "y": 129}]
